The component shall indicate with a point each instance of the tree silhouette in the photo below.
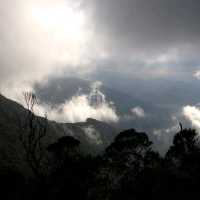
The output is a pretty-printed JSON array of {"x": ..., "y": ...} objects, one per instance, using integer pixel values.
[
  {"x": 71, "y": 171},
  {"x": 65, "y": 148},
  {"x": 122, "y": 162},
  {"x": 129, "y": 148},
  {"x": 182, "y": 163},
  {"x": 32, "y": 132},
  {"x": 185, "y": 143}
]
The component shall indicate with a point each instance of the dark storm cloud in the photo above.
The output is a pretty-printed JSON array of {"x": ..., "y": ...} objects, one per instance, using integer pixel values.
[{"x": 147, "y": 24}]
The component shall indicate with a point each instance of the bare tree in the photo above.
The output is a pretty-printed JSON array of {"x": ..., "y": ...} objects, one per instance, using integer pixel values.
[{"x": 33, "y": 129}]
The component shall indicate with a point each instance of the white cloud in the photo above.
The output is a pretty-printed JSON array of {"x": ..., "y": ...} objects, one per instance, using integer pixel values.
[
  {"x": 135, "y": 113},
  {"x": 192, "y": 113},
  {"x": 197, "y": 74},
  {"x": 78, "y": 109},
  {"x": 172, "y": 55},
  {"x": 165, "y": 135},
  {"x": 138, "y": 112}
]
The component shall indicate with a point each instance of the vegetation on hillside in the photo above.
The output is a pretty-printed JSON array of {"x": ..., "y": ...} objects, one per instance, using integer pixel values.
[{"x": 128, "y": 169}]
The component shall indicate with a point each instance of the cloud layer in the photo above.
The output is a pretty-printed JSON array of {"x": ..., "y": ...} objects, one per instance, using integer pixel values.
[
  {"x": 153, "y": 39},
  {"x": 80, "y": 107},
  {"x": 138, "y": 112},
  {"x": 142, "y": 24},
  {"x": 38, "y": 39}
]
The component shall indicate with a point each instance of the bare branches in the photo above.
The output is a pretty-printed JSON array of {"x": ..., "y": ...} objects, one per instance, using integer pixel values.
[
  {"x": 32, "y": 131},
  {"x": 30, "y": 100}
]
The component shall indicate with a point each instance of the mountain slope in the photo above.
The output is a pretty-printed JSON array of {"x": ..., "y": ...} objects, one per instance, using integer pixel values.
[{"x": 93, "y": 135}]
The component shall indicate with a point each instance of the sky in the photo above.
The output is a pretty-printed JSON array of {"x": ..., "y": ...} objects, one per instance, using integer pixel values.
[
  {"x": 149, "y": 39},
  {"x": 114, "y": 41}
]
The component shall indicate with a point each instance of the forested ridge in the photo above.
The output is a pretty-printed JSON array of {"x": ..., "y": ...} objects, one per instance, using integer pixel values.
[{"x": 128, "y": 168}]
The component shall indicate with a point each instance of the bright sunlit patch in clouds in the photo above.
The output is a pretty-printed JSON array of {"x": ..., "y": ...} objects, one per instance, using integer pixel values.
[
  {"x": 41, "y": 39},
  {"x": 60, "y": 18},
  {"x": 63, "y": 25}
]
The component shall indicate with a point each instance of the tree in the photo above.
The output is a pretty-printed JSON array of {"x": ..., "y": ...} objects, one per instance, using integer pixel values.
[
  {"x": 66, "y": 147},
  {"x": 122, "y": 162},
  {"x": 32, "y": 132},
  {"x": 185, "y": 143},
  {"x": 129, "y": 148},
  {"x": 70, "y": 171}
]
